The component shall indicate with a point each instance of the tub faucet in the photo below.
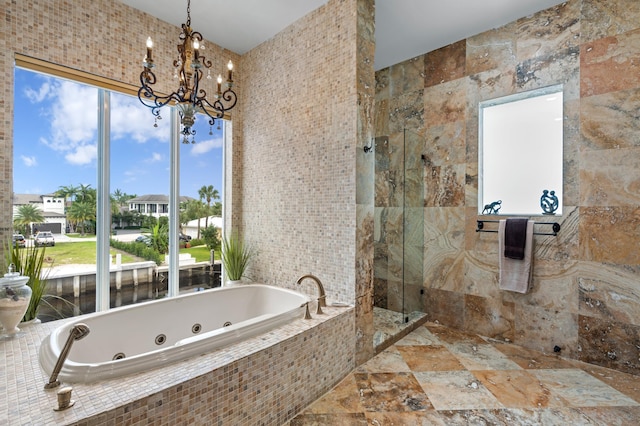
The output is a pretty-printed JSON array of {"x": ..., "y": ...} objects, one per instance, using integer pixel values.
[
  {"x": 76, "y": 333},
  {"x": 322, "y": 299}
]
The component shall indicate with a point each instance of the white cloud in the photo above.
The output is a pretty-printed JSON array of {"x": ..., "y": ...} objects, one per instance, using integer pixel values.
[
  {"x": 202, "y": 147},
  {"x": 131, "y": 119},
  {"x": 84, "y": 154},
  {"x": 72, "y": 117},
  {"x": 37, "y": 96},
  {"x": 29, "y": 161},
  {"x": 155, "y": 157}
]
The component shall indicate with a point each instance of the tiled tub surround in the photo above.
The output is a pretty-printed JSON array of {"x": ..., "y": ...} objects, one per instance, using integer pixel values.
[
  {"x": 585, "y": 295},
  {"x": 264, "y": 380}
]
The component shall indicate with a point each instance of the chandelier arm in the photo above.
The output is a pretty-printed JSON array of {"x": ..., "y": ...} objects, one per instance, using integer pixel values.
[
  {"x": 147, "y": 94},
  {"x": 207, "y": 63},
  {"x": 230, "y": 97}
]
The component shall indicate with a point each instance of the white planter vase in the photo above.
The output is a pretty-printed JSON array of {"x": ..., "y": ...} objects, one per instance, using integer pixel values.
[{"x": 233, "y": 283}]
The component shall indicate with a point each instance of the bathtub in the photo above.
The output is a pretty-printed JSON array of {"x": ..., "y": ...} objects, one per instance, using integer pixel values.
[{"x": 140, "y": 337}]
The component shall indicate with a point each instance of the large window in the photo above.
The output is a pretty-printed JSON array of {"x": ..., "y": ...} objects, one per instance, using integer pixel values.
[{"x": 56, "y": 153}]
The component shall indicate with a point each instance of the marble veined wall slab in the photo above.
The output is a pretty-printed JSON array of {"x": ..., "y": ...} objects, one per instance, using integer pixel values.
[{"x": 585, "y": 296}]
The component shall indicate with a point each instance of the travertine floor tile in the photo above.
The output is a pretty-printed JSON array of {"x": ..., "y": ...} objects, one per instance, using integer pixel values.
[
  {"x": 456, "y": 390},
  {"x": 439, "y": 376},
  {"x": 579, "y": 389},
  {"x": 388, "y": 361},
  {"x": 429, "y": 358},
  {"x": 391, "y": 392},
  {"x": 481, "y": 357}
]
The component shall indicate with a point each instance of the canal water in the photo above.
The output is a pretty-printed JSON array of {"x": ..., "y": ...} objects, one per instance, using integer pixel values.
[{"x": 64, "y": 306}]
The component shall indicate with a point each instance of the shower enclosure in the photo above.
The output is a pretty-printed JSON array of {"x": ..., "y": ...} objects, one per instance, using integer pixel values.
[{"x": 398, "y": 232}]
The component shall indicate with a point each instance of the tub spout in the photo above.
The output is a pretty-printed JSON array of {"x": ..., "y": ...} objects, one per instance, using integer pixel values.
[
  {"x": 322, "y": 299},
  {"x": 76, "y": 333}
]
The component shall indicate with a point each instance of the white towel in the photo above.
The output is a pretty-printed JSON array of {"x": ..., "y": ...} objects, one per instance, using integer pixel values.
[{"x": 515, "y": 275}]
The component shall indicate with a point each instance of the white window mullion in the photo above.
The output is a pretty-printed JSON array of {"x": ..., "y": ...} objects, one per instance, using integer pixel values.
[
  {"x": 103, "y": 208},
  {"x": 174, "y": 209}
]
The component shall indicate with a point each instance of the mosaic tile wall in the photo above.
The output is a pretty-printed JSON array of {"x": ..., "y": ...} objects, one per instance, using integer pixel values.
[
  {"x": 585, "y": 295},
  {"x": 297, "y": 192}
]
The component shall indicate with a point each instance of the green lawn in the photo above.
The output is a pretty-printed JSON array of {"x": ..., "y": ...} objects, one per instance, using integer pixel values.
[
  {"x": 200, "y": 253},
  {"x": 85, "y": 252},
  {"x": 79, "y": 252}
]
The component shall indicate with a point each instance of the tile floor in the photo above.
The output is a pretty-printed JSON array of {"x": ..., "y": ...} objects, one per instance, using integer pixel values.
[{"x": 439, "y": 376}]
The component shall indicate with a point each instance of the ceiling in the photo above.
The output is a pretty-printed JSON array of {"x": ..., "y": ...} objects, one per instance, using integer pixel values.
[{"x": 404, "y": 28}]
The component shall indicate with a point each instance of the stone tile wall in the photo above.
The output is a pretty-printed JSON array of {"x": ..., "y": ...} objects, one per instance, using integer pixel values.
[{"x": 585, "y": 297}]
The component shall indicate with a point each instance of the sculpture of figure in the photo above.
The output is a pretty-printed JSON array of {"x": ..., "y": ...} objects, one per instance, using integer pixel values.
[
  {"x": 549, "y": 202},
  {"x": 492, "y": 208}
]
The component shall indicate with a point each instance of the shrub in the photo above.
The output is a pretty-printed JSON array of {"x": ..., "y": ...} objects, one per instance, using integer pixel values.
[
  {"x": 211, "y": 237},
  {"x": 139, "y": 250},
  {"x": 197, "y": 242}
]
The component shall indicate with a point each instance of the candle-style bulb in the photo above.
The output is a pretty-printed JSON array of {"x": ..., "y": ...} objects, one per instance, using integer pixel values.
[
  {"x": 230, "y": 75},
  {"x": 196, "y": 44},
  {"x": 148, "y": 60},
  {"x": 219, "y": 79}
]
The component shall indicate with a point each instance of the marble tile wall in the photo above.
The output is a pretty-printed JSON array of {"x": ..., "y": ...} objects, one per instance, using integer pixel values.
[{"x": 586, "y": 293}]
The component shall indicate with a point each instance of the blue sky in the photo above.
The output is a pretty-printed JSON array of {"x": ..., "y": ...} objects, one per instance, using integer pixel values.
[{"x": 55, "y": 142}]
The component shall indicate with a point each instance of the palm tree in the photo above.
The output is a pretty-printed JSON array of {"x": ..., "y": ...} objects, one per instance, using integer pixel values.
[
  {"x": 26, "y": 215},
  {"x": 81, "y": 212},
  {"x": 209, "y": 193},
  {"x": 68, "y": 192},
  {"x": 85, "y": 193},
  {"x": 121, "y": 198},
  {"x": 192, "y": 209}
]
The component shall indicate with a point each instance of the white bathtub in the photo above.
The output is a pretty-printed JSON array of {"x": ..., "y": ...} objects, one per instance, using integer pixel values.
[{"x": 141, "y": 337}]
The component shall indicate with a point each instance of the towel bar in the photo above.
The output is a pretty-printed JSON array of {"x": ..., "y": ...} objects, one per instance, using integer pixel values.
[{"x": 555, "y": 227}]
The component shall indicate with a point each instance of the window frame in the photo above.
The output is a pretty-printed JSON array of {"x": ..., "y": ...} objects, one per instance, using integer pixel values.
[{"x": 103, "y": 228}]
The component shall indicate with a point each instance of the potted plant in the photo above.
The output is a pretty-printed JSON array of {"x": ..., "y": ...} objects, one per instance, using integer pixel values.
[
  {"x": 235, "y": 257},
  {"x": 28, "y": 261}
]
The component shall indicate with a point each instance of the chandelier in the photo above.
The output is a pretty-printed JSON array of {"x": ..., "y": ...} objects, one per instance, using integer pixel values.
[{"x": 190, "y": 98}]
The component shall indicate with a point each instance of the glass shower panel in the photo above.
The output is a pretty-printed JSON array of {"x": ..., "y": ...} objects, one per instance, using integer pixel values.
[
  {"x": 399, "y": 224},
  {"x": 413, "y": 225}
]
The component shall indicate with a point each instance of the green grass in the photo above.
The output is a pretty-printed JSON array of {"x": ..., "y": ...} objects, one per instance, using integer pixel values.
[
  {"x": 78, "y": 252},
  {"x": 199, "y": 253},
  {"x": 85, "y": 252}
]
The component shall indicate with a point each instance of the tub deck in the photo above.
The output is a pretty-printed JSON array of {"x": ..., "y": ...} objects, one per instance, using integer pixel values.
[{"x": 265, "y": 379}]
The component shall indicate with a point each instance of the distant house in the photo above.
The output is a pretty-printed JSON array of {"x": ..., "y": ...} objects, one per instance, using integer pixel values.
[
  {"x": 52, "y": 208},
  {"x": 153, "y": 205},
  {"x": 191, "y": 228}
]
